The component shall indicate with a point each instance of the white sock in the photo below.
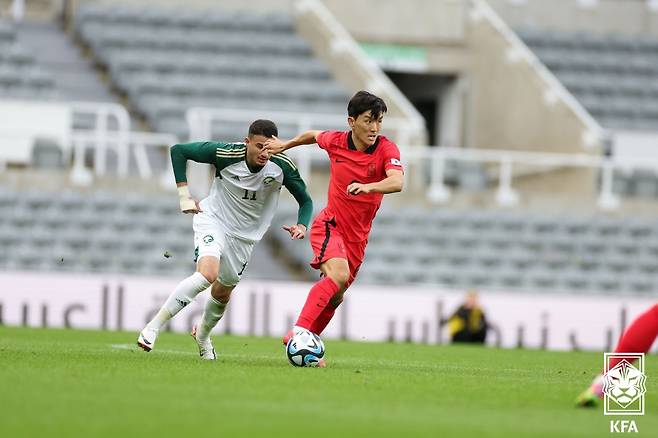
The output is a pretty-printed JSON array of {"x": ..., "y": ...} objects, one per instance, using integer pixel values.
[
  {"x": 179, "y": 298},
  {"x": 211, "y": 315}
]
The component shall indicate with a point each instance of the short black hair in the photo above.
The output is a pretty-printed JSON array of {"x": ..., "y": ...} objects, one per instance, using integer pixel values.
[
  {"x": 266, "y": 128},
  {"x": 363, "y": 101}
]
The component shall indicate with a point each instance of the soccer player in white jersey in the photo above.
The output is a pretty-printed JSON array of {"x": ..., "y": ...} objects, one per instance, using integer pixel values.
[{"x": 229, "y": 222}]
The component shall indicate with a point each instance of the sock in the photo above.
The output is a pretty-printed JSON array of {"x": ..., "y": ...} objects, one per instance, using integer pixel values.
[
  {"x": 179, "y": 298},
  {"x": 323, "y": 319},
  {"x": 318, "y": 298},
  {"x": 639, "y": 336},
  {"x": 212, "y": 313}
]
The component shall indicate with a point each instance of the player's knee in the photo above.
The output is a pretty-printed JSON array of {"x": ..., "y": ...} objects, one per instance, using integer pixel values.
[
  {"x": 208, "y": 273},
  {"x": 340, "y": 276}
]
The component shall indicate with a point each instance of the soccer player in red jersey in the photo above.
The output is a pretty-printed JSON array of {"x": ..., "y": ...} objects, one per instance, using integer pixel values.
[{"x": 364, "y": 167}]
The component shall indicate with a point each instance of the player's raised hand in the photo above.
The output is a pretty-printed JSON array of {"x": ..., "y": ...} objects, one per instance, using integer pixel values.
[
  {"x": 296, "y": 231},
  {"x": 273, "y": 145},
  {"x": 356, "y": 188}
]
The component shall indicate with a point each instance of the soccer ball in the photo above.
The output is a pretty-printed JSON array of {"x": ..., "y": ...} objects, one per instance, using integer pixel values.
[{"x": 305, "y": 349}]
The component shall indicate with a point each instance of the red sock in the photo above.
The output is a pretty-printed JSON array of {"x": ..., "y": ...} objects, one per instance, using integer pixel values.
[
  {"x": 323, "y": 319},
  {"x": 639, "y": 336},
  {"x": 317, "y": 300}
]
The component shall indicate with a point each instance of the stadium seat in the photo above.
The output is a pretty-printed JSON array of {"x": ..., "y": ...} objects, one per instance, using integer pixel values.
[{"x": 193, "y": 57}]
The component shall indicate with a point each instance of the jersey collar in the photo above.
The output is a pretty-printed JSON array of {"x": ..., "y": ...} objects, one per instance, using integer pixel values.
[
  {"x": 351, "y": 146},
  {"x": 252, "y": 169}
]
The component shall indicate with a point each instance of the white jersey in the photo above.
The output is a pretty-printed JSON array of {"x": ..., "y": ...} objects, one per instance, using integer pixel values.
[{"x": 244, "y": 202}]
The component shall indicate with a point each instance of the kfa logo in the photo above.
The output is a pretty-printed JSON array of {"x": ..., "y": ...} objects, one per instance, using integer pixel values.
[
  {"x": 623, "y": 426},
  {"x": 623, "y": 389},
  {"x": 624, "y": 384}
]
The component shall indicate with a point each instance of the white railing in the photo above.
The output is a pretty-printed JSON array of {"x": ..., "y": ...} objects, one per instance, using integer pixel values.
[
  {"x": 506, "y": 195},
  {"x": 201, "y": 121},
  {"x": 112, "y": 134},
  {"x": 104, "y": 137},
  {"x": 555, "y": 91},
  {"x": 131, "y": 143}
]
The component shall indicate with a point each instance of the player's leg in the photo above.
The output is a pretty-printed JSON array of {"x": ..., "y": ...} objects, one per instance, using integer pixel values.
[
  {"x": 182, "y": 295},
  {"x": 637, "y": 338},
  {"x": 355, "y": 253},
  {"x": 209, "y": 244},
  {"x": 336, "y": 275},
  {"x": 212, "y": 313},
  {"x": 234, "y": 262}
]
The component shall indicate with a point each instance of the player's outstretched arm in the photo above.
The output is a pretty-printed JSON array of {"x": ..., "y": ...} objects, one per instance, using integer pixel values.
[
  {"x": 297, "y": 188},
  {"x": 275, "y": 145},
  {"x": 203, "y": 152},
  {"x": 393, "y": 183}
]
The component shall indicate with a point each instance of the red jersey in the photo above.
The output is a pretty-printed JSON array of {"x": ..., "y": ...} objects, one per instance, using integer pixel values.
[{"x": 354, "y": 213}]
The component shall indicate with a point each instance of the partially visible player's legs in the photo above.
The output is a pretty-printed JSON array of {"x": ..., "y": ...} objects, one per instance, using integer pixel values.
[
  {"x": 183, "y": 294},
  {"x": 336, "y": 274},
  {"x": 637, "y": 338},
  {"x": 235, "y": 258},
  {"x": 212, "y": 313},
  {"x": 640, "y": 335},
  {"x": 327, "y": 314},
  {"x": 355, "y": 252}
]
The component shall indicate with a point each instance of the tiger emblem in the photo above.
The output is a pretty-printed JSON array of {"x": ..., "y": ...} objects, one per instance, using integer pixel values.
[{"x": 624, "y": 384}]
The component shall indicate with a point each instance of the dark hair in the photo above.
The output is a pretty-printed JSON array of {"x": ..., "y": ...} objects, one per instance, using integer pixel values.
[
  {"x": 363, "y": 101},
  {"x": 266, "y": 128}
]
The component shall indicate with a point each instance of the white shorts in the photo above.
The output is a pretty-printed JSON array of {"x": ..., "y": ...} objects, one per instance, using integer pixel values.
[{"x": 210, "y": 239}]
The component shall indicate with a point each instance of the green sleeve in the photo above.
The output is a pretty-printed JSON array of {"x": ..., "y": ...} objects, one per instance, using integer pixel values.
[
  {"x": 201, "y": 152},
  {"x": 297, "y": 188}
]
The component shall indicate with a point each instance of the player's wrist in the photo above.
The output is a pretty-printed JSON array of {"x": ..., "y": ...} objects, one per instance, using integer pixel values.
[{"x": 185, "y": 199}]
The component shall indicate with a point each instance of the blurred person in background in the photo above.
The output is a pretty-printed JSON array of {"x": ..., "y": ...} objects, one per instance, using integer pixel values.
[
  {"x": 229, "y": 222},
  {"x": 468, "y": 324}
]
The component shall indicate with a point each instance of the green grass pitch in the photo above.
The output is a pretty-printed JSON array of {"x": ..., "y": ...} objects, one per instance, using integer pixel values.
[{"x": 66, "y": 383}]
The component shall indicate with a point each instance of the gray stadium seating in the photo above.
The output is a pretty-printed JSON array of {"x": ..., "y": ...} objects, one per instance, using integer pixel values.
[
  {"x": 167, "y": 60},
  {"x": 20, "y": 75},
  {"x": 506, "y": 251},
  {"x": 104, "y": 232},
  {"x": 614, "y": 76}
]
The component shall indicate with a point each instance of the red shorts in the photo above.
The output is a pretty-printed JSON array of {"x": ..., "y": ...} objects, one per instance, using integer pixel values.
[{"x": 327, "y": 243}]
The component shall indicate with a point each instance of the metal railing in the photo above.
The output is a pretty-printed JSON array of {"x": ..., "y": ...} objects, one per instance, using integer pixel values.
[
  {"x": 201, "y": 121},
  {"x": 128, "y": 144},
  {"x": 437, "y": 157}
]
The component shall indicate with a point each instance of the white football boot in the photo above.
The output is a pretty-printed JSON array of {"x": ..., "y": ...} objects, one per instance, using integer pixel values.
[
  {"x": 206, "y": 350},
  {"x": 146, "y": 339}
]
